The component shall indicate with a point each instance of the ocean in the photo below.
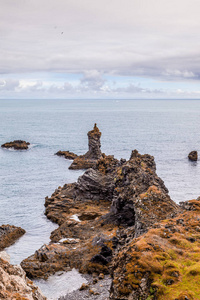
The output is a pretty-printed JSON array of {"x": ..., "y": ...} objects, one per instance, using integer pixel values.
[{"x": 166, "y": 129}]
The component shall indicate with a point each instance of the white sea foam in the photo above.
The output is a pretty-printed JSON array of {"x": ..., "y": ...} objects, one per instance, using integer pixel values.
[{"x": 75, "y": 217}]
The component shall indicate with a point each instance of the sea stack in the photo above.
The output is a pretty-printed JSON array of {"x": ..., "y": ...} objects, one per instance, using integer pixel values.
[{"x": 89, "y": 159}]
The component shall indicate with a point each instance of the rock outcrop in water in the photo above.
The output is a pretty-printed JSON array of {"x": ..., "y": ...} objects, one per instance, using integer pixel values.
[
  {"x": 66, "y": 154},
  {"x": 17, "y": 145},
  {"x": 9, "y": 234},
  {"x": 193, "y": 155}
]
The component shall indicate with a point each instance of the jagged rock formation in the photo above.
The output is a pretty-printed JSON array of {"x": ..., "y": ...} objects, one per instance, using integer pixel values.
[
  {"x": 66, "y": 154},
  {"x": 112, "y": 194},
  {"x": 89, "y": 159},
  {"x": 162, "y": 264},
  {"x": 140, "y": 197},
  {"x": 14, "y": 285},
  {"x": 9, "y": 234},
  {"x": 193, "y": 155},
  {"x": 17, "y": 145}
]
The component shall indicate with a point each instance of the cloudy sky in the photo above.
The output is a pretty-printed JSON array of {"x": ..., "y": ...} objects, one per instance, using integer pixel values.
[{"x": 99, "y": 49}]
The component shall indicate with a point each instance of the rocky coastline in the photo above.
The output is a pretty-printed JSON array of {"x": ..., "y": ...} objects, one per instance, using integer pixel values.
[
  {"x": 119, "y": 220},
  {"x": 119, "y": 227}
]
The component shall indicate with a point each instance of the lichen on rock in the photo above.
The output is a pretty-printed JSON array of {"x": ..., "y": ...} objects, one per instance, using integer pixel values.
[{"x": 163, "y": 263}]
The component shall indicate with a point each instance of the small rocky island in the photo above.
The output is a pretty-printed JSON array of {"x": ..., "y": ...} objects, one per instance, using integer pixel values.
[
  {"x": 17, "y": 145},
  {"x": 119, "y": 219}
]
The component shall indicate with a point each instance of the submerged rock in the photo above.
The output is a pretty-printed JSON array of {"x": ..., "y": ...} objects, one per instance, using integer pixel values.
[
  {"x": 89, "y": 159},
  {"x": 9, "y": 234},
  {"x": 15, "y": 285},
  {"x": 17, "y": 145},
  {"x": 193, "y": 155},
  {"x": 66, "y": 154}
]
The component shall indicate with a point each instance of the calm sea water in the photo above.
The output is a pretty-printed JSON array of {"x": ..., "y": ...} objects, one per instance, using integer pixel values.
[{"x": 166, "y": 129}]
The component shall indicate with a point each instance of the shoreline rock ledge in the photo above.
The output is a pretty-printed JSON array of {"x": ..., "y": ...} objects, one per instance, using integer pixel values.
[{"x": 17, "y": 145}]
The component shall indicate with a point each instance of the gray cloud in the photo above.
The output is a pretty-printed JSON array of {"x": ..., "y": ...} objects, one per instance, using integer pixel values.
[{"x": 151, "y": 38}]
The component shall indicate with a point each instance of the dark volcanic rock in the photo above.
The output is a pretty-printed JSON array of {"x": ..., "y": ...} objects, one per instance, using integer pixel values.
[
  {"x": 89, "y": 159},
  {"x": 193, "y": 155},
  {"x": 17, "y": 145},
  {"x": 9, "y": 234},
  {"x": 66, "y": 154},
  {"x": 140, "y": 197}
]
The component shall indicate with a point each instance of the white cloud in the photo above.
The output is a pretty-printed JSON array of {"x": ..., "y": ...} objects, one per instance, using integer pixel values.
[
  {"x": 9, "y": 84},
  {"x": 91, "y": 85},
  {"x": 92, "y": 80}
]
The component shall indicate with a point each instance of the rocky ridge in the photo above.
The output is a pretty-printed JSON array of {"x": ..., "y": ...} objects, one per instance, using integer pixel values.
[{"x": 91, "y": 211}]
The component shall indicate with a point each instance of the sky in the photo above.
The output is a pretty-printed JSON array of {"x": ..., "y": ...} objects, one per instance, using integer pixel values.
[{"x": 99, "y": 49}]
